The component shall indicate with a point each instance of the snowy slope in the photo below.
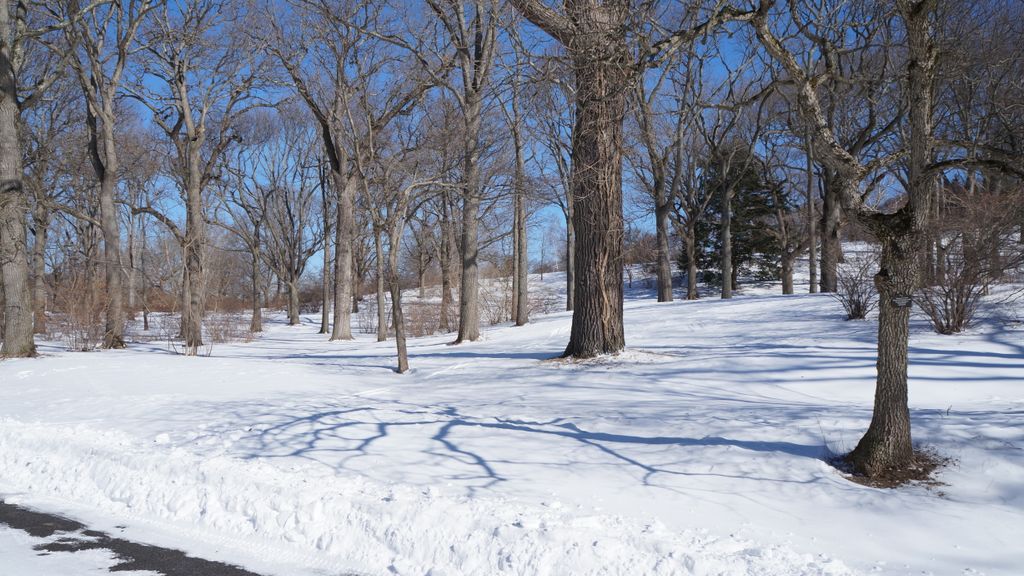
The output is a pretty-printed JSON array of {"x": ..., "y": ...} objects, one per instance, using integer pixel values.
[{"x": 697, "y": 451}]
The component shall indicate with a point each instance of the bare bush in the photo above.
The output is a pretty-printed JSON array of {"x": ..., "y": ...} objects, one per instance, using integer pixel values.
[
  {"x": 975, "y": 246},
  {"x": 422, "y": 318},
  {"x": 366, "y": 318},
  {"x": 79, "y": 308},
  {"x": 496, "y": 301},
  {"x": 223, "y": 327},
  {"x": 855, "y": 285}
]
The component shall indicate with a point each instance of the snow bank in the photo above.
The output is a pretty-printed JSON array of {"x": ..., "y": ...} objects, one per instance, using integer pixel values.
[{"x": 312, "y": 517}]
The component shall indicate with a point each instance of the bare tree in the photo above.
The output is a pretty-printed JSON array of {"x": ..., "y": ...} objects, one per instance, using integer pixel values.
[
  {"x": 198, "y": 77},
  {"x": 596, "y": 36}
]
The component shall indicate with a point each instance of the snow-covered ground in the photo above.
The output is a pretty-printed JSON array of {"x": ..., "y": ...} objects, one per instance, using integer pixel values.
[{"x": 698, "y": 451}]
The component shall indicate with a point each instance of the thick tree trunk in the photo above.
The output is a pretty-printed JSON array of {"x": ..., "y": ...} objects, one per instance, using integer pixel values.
[
  {"x": 469, "y": 291},
  {"x": 195, "y": 241},
  {"x": 887, "y": 444},
  {"x": 344, "y": 236},
  {"x": 726, "y": 232},
  {"x": 17, "y": 330},
  {"x": 601, "y": 67},
  {"x": 661, "y": 213},
  {"x": 293, "y": 302},
  {"x": 382, "y": 318},
  {"x": 113, "y": 333}
]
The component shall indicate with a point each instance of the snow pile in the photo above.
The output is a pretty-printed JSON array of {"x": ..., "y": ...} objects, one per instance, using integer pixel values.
[{"x": 360, "y": 524}]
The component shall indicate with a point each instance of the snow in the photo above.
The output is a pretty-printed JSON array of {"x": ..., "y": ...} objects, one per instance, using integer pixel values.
[{"x": 699, "y": 450}]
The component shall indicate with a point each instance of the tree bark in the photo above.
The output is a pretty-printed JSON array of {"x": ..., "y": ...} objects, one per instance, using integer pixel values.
[
  {"x": 570, "y": 256},
  {"x": 812, "y": 218},
  {"x": 787, "y": 273},
  {"x": 691, "y": 259},
  {"x": 293, "y": 302},
  {"x": 887, "y": 443},
  {"x": 522, "y": 296},
  {"x": 661, "y": 214},
  {"x": 18, "y": 331},
  {"x": 831, "y": 232},
  {"x": 726, "y": 232},
  {"x": 398, "y": 318},
  {"x": 601, "y": 61},
  {"x": 469, "y": 291},
  {"x": 325, "y": 285},
  {"x": 41, "y": 225},
  {"x": 195, "y": 241},
  {"x": 344, "y": 236},
  {"x": 256, "y": 324},
  {"x": 382, "y": 318},
  {"x": 446, "y": 257}
]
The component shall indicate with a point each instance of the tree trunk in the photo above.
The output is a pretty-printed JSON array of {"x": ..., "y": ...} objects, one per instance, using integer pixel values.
[
  {"x": 325, "y": 285},
  {"x": 570, "y": 257},
  {"x": 726, "y": 232},
  {"x": 41, "y": 225},
  {"x": 522, "y": 295},
  {"x": 113, "y": 333},
  {"x": 787, "y": 272},
  {"x": 195, "y": 240},
  {"x": 661, "y": 213},
  {"x": 382, "y": 318},
  {"x": 831, "y": 250},
  {"x": 18, "y": 333},
  {"x": 447, "y": 251},
  {"x": 887, "y": 444},
  {"x": 469, "y": 291},
  {"x": 601, "y": 70},
  {"x": 293, "y": 302},
  {"x": 396, "y": 304},
  {"x": 812, "y": 217},
  {"x": 344, "y": 237},
  {"x": 256, "y": 324}
]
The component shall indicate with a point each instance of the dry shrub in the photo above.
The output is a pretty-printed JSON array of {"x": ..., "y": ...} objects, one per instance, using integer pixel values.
[
  {"x": 78, "y": 318},
  {"x": 544, "y": 302},
  {"x": 855, "y": 284},
  {"x": 223, "y": 327},
  {"x": 421, "y": 318},
  {"x": 366, "y": 318},
  {"x": 496, "y": 301},
  {"x": 976, "y": 246}
]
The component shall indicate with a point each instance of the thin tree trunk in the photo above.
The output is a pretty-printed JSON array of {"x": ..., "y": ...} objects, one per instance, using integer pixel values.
[
  {"x": 41, "y": 225},
  {"x": 447, "y": 251},
  {"x": 382, "y": 318},
  {"x": 398, "y": 318},
  {"x": 256, "y": 324},
  {"x": 325, "y": 284},
  {"x": 661, "y": 213},
  {"x": 812, "y": 218},
  {"x": 522, "y": 294},
  {"x": 691, "y": 260},
  {"x": 726, "y": 232}
]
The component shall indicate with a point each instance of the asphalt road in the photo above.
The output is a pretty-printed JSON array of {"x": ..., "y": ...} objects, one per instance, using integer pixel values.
[{"x": 72, "y": 536}]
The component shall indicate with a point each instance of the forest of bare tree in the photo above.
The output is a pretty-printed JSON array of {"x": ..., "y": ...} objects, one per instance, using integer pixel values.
[{"x": 174, "y": 170}]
